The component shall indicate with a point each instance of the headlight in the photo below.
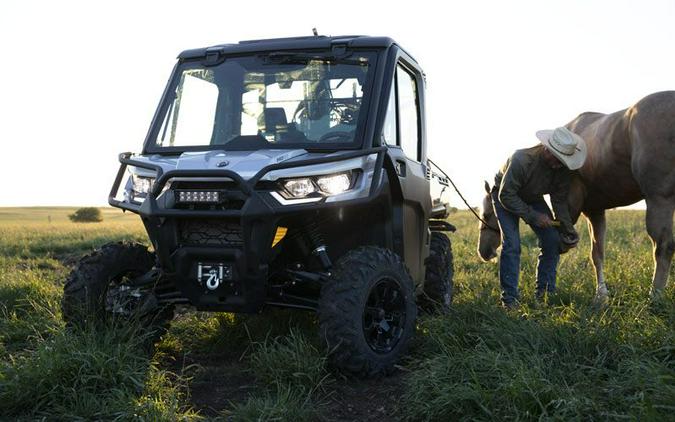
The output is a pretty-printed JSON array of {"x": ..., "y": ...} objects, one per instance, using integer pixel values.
[
  {"x": 299, "y": 188},
  {"x": 316, "y": 186},
  {"x": 140, "y": 184},
  {"x": 335, "y": 184}
]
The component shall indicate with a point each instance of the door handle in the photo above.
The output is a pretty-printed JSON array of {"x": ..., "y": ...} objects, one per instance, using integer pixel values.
[{"x": 400, "y": 168}]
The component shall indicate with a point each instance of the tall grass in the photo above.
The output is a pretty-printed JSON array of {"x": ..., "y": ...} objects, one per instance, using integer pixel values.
[
  {"x": 292, "y": 360},
  {"x": 29, "y": 302},
  {"x": 292, "y": 370},
  {"x": 279, "y": 349},
  {"x": 53, "y": 373},
  {"x": 568, "y": 360},
  {"x": 283, "y": 404}
]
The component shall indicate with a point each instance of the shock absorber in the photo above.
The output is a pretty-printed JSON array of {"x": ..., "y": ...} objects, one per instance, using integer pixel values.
[{"x": 318, "y": 245}]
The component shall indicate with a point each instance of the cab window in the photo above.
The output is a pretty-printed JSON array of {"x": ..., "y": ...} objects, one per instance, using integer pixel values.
[
  {"x": 408, "y": 113},
  {"x": 389, "y": 130}
]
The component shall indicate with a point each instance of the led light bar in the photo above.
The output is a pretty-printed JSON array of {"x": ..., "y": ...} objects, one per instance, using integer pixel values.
[{"x": 198, "y": 196}]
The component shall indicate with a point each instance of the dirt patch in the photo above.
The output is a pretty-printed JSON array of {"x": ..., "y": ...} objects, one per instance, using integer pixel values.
[
  {"x": 221, "y": 381},
  {"x": 216, "y": 386},
  {"x": 365, "y": 400}
]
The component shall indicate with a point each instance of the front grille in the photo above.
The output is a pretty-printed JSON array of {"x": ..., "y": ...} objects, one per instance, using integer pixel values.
[{"x": 221, "y": 233}]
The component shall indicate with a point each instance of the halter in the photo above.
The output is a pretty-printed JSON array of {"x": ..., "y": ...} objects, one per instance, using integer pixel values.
[{"x": 486, "y": 226}]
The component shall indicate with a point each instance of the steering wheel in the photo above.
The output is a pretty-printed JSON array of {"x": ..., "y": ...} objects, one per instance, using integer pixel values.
[{"x": 337, "y": 136}]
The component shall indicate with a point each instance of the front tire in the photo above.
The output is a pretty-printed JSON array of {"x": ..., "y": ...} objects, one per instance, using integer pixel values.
[
  {"x": 438, "y": 280},
  {"x": 99, "y": 289},
  {"x": 367, "y": 312}
]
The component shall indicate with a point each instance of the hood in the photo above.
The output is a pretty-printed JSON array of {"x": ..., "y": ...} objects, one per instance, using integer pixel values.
[{"x": 244, "y": 163}]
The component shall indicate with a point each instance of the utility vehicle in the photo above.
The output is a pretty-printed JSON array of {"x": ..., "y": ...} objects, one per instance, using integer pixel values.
[{"x": 287, "y": 172}]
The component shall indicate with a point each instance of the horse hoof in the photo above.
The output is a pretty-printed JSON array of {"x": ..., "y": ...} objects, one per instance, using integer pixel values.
[
  {"x": 656, "y": 295},
  {"x": 601, "y": 298}
]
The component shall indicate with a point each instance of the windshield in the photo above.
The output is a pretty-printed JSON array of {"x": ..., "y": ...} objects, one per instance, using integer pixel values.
[{"x": 277, "y": 100}]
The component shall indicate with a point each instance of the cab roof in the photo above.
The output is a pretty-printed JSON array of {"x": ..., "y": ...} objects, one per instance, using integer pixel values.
[{"x": 276, "y": 44}]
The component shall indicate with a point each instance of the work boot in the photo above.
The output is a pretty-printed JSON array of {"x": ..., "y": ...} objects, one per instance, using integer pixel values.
[
  {"x": 511, "y": 306},
  {"x": 540, "y": 297}
]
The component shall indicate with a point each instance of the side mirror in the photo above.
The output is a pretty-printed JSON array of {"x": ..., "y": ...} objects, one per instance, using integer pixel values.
[{"x": 487, "y": 187}]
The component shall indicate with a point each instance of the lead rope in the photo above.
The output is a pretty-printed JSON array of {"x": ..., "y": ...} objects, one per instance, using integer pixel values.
[{"x": 462, "y": 196}]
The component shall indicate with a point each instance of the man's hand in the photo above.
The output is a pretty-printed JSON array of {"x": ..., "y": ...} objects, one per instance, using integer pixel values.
[{"x": 543, "y": 221}]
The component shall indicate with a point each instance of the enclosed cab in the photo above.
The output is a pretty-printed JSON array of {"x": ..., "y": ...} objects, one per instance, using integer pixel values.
[{"x": 289, "y": 172}]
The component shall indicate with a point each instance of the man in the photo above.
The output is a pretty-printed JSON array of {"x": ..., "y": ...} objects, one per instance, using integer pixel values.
[{"x": 519, "y": 192}]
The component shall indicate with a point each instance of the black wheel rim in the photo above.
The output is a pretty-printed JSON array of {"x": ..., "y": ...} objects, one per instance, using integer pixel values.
[
  {"x": 122, "y": 298},
  {"x": 384, "y": 316}
]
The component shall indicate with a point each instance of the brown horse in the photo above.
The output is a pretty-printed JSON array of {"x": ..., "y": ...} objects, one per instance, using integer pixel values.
[{"x": 631, "y": 156}]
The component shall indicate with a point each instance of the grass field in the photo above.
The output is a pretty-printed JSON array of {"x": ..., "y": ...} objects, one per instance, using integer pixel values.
[{"x": 566, "y": 361}]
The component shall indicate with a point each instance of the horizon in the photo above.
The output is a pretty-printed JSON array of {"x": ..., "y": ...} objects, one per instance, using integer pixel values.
[{"x": 496, "y": 74}]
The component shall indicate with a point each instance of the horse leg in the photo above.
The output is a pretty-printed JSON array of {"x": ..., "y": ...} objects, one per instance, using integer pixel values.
[
  {"x": 596, "y": 228},
  {"x": 660, "y": 230}
]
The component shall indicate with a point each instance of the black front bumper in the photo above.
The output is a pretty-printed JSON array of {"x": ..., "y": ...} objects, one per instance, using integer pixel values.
[{"x": 247, "y": 252}]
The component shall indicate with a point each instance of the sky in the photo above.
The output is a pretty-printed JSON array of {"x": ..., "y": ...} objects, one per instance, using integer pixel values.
[{"x": 81, "y": 80}]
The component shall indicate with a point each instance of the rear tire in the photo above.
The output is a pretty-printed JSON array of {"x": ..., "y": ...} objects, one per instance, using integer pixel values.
[
  {"x": 367, "y": 312},
  {"x": 92, "y": 292},
  {"x": 438, "y": 283}
]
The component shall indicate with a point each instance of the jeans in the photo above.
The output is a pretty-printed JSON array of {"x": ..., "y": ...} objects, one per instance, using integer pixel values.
[{"x": 509, "y": 259}]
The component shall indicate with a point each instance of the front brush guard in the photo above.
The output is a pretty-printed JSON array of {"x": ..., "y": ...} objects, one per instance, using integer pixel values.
[{"x": 150, "y": 207}]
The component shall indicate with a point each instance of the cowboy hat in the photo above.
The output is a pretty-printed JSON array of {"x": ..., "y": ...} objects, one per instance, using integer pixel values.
[{"x": 566, "y": 145}]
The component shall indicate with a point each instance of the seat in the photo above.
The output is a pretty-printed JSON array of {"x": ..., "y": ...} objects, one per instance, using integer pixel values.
[{"x": 275, "y": 120}]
